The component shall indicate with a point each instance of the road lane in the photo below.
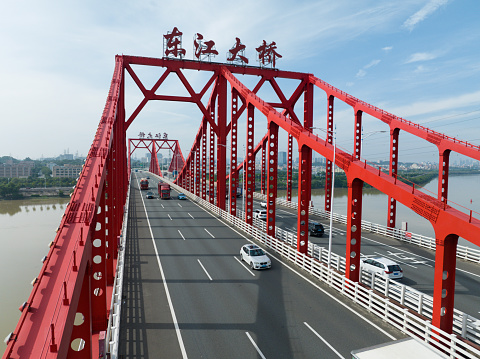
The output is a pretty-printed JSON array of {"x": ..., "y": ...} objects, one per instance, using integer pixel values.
[
  {"x": 215, "y": 315},
  {"x": 418, "y": 263}
]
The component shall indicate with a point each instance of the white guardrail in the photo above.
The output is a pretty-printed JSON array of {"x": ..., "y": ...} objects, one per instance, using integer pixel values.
[
  {"x": 406, "y": 309},
  {"x": 463, "y": 252},
  {"x": 113, "y": 329}
]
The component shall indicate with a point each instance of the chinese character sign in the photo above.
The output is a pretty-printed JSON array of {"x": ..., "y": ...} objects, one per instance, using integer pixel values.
[
  {"x": 205, "y": 48},
  {"x": 267, "y": 53},
  {"x": 237, "y": 50},
  {"x": 173, "y": 44}
]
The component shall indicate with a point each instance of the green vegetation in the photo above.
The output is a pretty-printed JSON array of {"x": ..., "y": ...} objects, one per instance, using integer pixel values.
[{"x": 40, "y": 178}]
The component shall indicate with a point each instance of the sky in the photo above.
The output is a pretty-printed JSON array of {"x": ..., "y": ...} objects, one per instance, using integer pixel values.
[{"x": 417, "y": 59}]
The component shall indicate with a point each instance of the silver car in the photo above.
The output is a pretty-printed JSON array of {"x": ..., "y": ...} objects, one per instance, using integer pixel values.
[
  {"x": 260, "y": 214},
  {"x": 383, "y": 267},
  {"x": 255, "y": 257}
]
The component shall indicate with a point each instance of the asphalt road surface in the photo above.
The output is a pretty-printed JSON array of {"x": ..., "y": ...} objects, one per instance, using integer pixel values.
[{"x": 186, "y": 294}]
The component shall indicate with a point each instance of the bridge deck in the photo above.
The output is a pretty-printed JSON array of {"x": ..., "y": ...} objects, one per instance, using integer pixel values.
[{"x": 221, "y": 308}]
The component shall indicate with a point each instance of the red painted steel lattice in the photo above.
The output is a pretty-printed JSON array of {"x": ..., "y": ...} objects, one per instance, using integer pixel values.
[{"x": 67, "y": 283}]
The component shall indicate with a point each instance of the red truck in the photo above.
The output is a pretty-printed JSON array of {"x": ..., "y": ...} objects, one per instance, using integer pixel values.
[
  {"x": 143, "y": 183},
  {"x": 164, "y": 190}
]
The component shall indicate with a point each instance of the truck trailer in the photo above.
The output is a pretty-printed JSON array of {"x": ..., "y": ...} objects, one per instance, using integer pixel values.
[
  {"x": 163, "y": 190},
  {"x": 143, "y": 183}
]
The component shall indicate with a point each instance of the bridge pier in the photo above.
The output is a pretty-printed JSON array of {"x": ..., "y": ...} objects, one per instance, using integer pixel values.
[
  {"x": 392, "y": 203},
  {"x": 444, "y": 283},
  {"x": 354, "y": 230}
]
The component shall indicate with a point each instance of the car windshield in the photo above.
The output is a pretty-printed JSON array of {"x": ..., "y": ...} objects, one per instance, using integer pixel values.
[
  {"x": 256, "y": 252},
  {"x": 317, "y": 226}
]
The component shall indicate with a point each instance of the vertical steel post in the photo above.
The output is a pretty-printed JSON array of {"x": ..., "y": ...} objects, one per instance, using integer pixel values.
[
  {"x": 233, "y": 177},
  {"x": 197, "y": 168},
  {"x": 289, "y": 168},
  {"x": 272, "y": 176},
  {"x": 305, "y": 175},
  {"x": 354, "y": 230},
  {"x": 98, "y": 271},
  {"x": 264, "y": 160},
  {"x": 204, "y": 160},
  {"x": 249, "y": 165},
  {"x": 109, "y": 212},
  {"x": 329, "y": 168},
  {"x": 443, "y": 167},
  {"x": 444, "y": 282},
  {"x": 222, "y": 141},
  {"x": 392, "y": 203},
  {"x": 358, "y": 135},
  {"x": 211, "y": 174}
]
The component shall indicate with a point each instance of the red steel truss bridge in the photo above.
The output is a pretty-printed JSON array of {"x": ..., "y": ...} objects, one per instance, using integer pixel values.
[{"x": 78, "y": 273}]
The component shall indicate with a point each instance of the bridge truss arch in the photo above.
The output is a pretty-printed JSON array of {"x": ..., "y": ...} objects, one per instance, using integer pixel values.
[{"x": 77, "y": 276}]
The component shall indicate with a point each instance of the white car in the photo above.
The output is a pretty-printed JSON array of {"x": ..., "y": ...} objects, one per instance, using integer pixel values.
[
  {"x": 383, "y": 267},
  {"x": 255, "y": 257},
  {"x": 260, "y": 214},
  {"x": 263, "y": 204}
]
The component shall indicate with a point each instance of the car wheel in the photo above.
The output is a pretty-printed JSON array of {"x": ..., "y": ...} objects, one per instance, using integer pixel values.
[
  {"x": 241, "y": 257},
  {"x": 251, "y": 265}
]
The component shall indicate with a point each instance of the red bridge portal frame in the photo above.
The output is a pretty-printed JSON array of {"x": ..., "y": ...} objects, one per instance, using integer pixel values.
[
  {"x": 153, "y": 146},
  {"x": 69, "y": 303}
]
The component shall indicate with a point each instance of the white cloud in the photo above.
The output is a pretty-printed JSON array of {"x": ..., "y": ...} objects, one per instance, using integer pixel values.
[
  {"x": 423, "y": 13},
  {"x": 387, "y": 48},
  {"x": 371, "y": 64},
  {"x": 420, "y": 56},
  {"x": 438, "y": 105},
  {"x": 360, "y": 74}
]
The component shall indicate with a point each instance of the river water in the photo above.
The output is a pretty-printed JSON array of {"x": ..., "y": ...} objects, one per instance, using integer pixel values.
[{"x": 28, "y": 226}]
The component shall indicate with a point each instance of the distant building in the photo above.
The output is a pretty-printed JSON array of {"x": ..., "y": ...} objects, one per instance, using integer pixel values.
[
  {"x": 16, "y": 170},
  {"x": 69, "y": 171},
  {"x": 282, "y": 158}
]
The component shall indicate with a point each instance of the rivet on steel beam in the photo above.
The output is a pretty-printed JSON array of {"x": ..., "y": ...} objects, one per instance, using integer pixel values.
[
  {"x": 65, "y": 299},
  {"x": 93, "y": 197},
  {"x": 53, "y": 346},
  {"x": 96, "y": 182}
]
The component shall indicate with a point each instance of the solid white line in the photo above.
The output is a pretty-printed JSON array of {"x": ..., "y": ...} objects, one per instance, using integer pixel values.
[
  {"x": 191, "y": 216},
  {"x": 211, "y": 235},
  {"x": 346, "y": 306},
  {"x": 167, "y": 292},
  {"x": 256, "y": 346},
  {"x": 179, "y": 205},
  {"x": 169, "y": 217},
  {"x": 323, "y": 340},
  {"x": 181, "y": 234},
  {"x": 239, "y": 261},
  {"x": 201, "y": 265},
  {"x": 162, "y": 205}
]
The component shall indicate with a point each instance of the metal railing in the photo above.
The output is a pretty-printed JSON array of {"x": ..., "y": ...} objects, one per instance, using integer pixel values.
[
  {"x": 463, "y": 252},
  {"x": 113, "y": 328},
  {"x": 402, "y": 307}
]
